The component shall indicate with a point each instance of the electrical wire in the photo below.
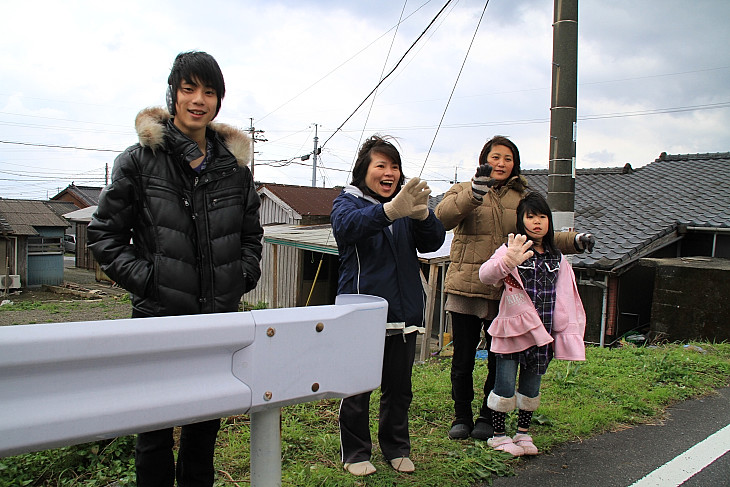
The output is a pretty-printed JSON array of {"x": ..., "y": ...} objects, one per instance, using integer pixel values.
[
  {"x": 341, "y": 64},
  {"x": 388, "y": 75},
  {"x": 58, "y": 146},
  {"x": 382, "y": 71},
  {"x": 454, "y": 87}
]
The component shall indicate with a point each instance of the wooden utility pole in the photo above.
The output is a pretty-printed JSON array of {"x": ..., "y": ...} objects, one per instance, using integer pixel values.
[
  {"x": 563, "y": 114},
  {"x": 255, "y": 137},
  {"x": 314, "y": 158}
]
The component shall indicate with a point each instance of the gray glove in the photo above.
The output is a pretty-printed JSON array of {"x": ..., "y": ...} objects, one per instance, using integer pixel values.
[
  {"x": 408, "y": 201},
  {"x": 585, "y": 241},
  {"x": 481, "y": 182}
]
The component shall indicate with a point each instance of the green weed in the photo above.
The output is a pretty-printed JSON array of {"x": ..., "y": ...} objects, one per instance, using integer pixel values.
[{"x": 613, "y": 388}]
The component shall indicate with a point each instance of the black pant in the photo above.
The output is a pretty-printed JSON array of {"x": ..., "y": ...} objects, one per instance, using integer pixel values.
[
  {"x": 395, "y": 400},
  {"x": 466, "y": 334},
  {"x": 155, "y": 462}
]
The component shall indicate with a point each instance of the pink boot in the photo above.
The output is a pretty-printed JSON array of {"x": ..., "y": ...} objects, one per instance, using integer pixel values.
[
  {"x": 524, "y": 441},
  {"x": 504, "y": 443}
]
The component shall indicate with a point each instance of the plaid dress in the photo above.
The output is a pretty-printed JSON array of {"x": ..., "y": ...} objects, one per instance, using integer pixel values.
[{"x": 539, "y": 275}]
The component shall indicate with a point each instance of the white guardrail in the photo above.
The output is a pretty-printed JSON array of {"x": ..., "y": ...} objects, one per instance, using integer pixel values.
[{"x": 69, "y": 383}]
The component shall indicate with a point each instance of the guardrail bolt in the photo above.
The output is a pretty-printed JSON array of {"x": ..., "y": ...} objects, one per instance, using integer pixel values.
[
  {"x": 319, "y": 327},
  {"x": 315, "y": 387},
  {"x": 268, "y": 395},
  {"x": 271, "y": 332}
]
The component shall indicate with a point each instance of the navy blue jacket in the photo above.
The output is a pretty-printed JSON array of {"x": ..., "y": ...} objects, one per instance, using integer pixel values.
[{"x": 376, "y": 261}]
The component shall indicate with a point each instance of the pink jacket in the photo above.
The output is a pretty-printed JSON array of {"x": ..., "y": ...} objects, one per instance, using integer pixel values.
[{"x": 517, "y": 326}]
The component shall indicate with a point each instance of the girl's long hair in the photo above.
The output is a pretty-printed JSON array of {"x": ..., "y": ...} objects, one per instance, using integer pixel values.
[{"x": 535, "y": 204}]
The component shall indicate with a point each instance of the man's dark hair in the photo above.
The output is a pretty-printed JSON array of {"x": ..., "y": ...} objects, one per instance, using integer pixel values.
[
  {"x": 380, "y": 145},
  {"x": 501, "y": 140},
  {"x": 535, "y": 204},
  {"x": 196, "y": 65}
]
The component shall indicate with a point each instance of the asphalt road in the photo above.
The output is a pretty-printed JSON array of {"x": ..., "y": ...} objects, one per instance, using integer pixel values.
[{"x": 632, "y": 456}]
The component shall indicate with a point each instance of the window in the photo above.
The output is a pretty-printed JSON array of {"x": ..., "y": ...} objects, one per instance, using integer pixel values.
[{"x": 44, "y": 245}]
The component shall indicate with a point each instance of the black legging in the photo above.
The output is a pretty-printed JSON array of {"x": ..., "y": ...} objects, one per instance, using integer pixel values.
[{"x": 466, "y": 332}]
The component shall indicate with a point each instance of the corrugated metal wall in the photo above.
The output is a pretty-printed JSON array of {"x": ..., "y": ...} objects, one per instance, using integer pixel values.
[
  {"x": 289, "y": 266},
  {"x": 272, "y": 212},
  {"x": 47, "y": 268},
  {"x": 289, "y": 275}
]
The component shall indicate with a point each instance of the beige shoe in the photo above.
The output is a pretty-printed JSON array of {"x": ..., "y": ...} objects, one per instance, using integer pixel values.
[
  {"x": 403, "y": 465},
  {"x": 360, "y": 468}
]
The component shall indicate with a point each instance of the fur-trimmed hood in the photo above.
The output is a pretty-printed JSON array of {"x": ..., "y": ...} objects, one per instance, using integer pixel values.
[{"x": 151, "y": 125}]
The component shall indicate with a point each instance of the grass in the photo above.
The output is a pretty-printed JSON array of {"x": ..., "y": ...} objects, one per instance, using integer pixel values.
[{"x": 613, "y": 389}]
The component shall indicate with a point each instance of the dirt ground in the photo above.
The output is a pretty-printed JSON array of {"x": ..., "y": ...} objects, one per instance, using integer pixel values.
[{"x": 81, "y": 298}]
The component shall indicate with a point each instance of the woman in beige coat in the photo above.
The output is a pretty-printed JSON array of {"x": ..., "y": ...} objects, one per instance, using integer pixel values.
[{"x": 482, "y": 213}]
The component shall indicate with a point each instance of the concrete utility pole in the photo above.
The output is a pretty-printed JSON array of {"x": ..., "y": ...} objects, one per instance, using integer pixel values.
[
  {"x": 314, "y": 158},
  {"x": 563, "y": 109},
  {"x": 254, "y": 138}
]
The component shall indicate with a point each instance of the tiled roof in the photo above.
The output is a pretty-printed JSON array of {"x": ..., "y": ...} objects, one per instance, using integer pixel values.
[
  {"x": 305, "y": 200},
  {"x": 87, "y": 194},
  {"x": 630, "y": 210},
  {"x": 60, "y": 208},
  {"x": 19, "y": 217}
]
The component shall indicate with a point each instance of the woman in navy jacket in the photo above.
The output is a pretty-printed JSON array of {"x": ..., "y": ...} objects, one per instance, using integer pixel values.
[{"x": 380, "y": 224}]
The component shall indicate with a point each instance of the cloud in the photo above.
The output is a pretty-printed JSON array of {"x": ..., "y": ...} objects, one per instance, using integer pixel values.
[{"x": 649, "y": 74}]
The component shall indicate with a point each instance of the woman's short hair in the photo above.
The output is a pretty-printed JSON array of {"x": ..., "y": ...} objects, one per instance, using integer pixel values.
[
  {"x": 379, "y": 144},
  {"x": 501, "y": 140},
  {"x": 196, "y": 65},
  {"x": 534, "y": 203}
]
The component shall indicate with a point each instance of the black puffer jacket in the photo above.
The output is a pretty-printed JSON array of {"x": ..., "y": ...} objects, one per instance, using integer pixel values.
[{"x": 179, "y": 242}]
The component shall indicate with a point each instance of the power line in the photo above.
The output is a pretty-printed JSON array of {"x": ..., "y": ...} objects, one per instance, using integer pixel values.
[
  {"x": 58, "y": 146},
  {"x": 391, "y": 71},
  {"x": 385, "y": 64},
  {"x": 342, "y": 64},
  {"x": 466, "y": 56},
  {"x": 652, "y": 111}
]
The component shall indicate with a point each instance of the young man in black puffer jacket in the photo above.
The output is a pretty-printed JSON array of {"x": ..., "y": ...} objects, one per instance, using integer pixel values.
[{"x": 178, "y": 227}]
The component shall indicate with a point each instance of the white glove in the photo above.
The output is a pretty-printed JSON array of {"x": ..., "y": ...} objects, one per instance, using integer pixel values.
[
  {"x": 420, "y": 206},
  {"x": 517, "y": 250},
  {"x": 410, "y": 201}
]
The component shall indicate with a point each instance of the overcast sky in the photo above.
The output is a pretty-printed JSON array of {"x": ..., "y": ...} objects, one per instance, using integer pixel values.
[{"x": 653, "y": 76}]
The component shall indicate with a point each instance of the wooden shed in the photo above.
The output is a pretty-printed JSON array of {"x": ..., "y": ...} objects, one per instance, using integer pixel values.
[
  {"x": 283, "y": 206},
  {"x": 31, "y": 244}
]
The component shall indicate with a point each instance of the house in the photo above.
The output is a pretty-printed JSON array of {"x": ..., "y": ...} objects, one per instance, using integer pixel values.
[
  {"x": 80, "y": 219},
  {"x": 290, "y": 282},
  {"x": 677, "y": 207},
  {"x": 81, "y": 196},
  {"x": 298, "y": 205},
  {"x": 31, "y": 244}
]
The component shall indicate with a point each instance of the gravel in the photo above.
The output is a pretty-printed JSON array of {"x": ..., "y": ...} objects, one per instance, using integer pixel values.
[{"x": 81, "y": 298}]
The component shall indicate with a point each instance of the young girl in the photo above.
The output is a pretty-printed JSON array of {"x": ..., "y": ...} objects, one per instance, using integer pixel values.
[
  {"x": 380, "y": 223},
  {"x": 540, "y": 317}
]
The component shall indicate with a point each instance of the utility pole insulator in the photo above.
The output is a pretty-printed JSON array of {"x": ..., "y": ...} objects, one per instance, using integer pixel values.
[
  {"x": 255, "y": 137},
  {"x": 315, "y": 153}
]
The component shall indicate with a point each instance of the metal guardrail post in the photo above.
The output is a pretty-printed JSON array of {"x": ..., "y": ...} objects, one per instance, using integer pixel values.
[{"x": 266, "y": 448}]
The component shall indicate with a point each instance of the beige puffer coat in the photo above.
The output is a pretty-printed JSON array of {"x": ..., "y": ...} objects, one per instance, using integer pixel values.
[{"x": 479, "y": 230}]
